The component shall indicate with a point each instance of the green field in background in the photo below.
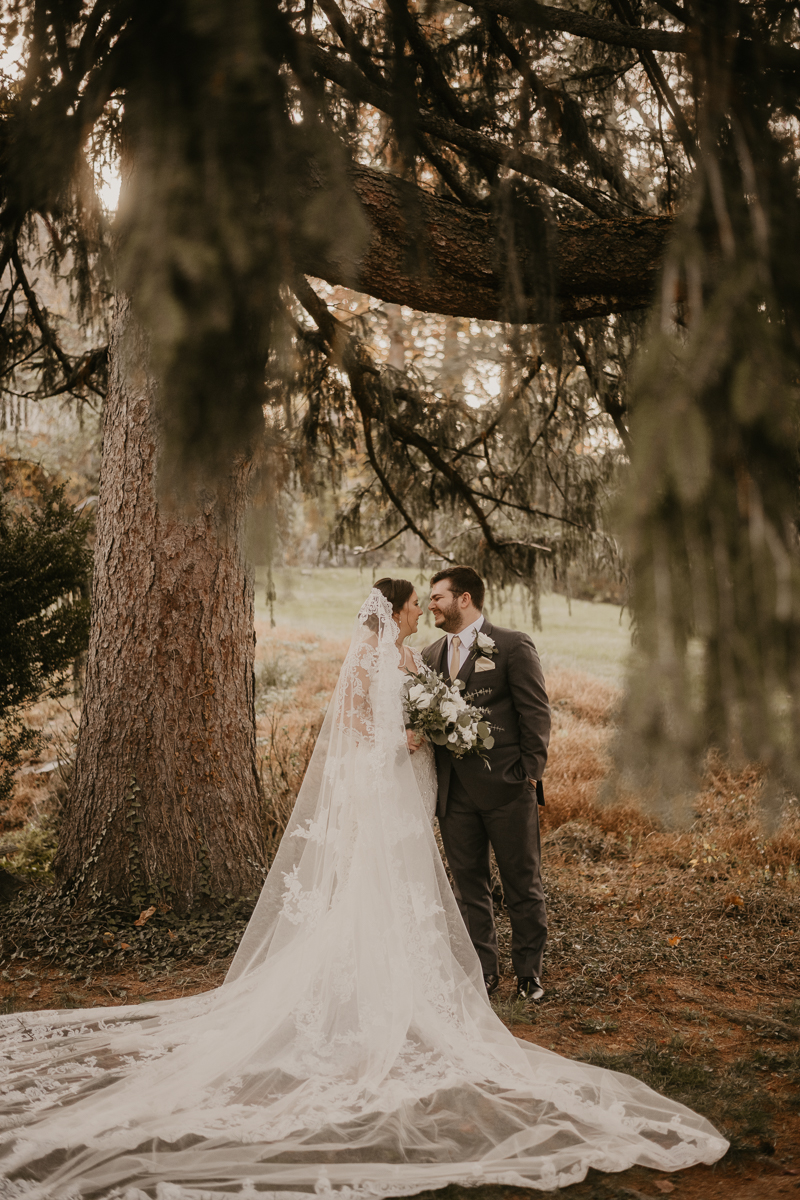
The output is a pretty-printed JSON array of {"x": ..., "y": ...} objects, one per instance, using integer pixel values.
[{"x": 590, "y": 638}]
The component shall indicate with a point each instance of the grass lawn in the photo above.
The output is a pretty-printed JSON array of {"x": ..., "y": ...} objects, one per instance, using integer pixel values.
[{"x": 592, "y": 638}]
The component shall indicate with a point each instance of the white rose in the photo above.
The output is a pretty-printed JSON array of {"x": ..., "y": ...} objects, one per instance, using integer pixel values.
[
  {"x": 449, "y": 710},
  {"x": 453, "y": 737},
  {"x": 416, "y": 691},
  {"x": 468, "y": 737},
  {"x": 424, "y": 702},
  {"x": 484, "y": 642}
]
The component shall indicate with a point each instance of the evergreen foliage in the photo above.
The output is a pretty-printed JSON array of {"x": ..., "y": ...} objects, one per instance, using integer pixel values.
[
  {"x": 248, "y": 131},
  {"x": 44, "y": 611},
  {"x": 712, "y": 503}
]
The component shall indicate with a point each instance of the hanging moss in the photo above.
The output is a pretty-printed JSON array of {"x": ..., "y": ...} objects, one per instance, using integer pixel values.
[{"x": 711, "y": 508}]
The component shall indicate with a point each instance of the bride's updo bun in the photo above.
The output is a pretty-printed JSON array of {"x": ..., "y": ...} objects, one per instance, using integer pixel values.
[{"x": 397, "y": 591}]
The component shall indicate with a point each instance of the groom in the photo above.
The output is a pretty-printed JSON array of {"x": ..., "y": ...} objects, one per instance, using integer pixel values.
[{"x": 478, "y": 807}]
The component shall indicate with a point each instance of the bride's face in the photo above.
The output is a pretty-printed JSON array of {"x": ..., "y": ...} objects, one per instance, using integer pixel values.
[{"x": 409, "y": 615}]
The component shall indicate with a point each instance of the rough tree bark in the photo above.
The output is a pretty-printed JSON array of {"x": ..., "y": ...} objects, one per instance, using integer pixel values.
[
  {"x": 169, "y": 696},
  {"x": 437, "y": 256}
]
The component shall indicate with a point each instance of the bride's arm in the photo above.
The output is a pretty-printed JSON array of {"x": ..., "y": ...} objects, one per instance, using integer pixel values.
[
  {"x": 413, "y": 664},
  {"x": 354, "y": 713}
]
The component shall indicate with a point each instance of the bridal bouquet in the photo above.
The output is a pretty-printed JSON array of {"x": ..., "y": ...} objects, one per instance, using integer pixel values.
[{"x": 437, "y": 710}]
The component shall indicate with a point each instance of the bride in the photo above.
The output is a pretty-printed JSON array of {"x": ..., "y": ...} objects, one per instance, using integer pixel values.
[
  {"x": 351, "y": 1049},
  {"x": 406, "y": 612}
]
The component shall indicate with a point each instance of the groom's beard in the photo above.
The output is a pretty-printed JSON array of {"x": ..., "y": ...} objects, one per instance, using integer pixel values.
[{"x": 452, "y": 621}]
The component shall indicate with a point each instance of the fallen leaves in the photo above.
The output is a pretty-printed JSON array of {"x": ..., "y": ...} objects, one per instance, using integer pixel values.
[
  {"x": 674, "y": 941},
  {"x": 145, "y": 915},
  {"x": 665, "y": 1186},
  {"x": 734, "y": 899}
]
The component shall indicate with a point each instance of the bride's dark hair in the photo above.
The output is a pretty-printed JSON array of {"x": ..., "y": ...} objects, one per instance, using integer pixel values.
[{"x": 396, "y": 591}]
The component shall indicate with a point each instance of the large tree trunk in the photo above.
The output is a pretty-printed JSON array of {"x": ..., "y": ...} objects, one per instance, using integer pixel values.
[{"x": 166, "y": 791}]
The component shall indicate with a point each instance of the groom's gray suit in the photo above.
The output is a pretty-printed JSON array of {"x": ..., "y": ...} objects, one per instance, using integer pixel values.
[{"x": 478, "y": 807}]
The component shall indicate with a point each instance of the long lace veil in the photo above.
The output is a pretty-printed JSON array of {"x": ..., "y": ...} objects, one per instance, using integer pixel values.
[
  {"x": 361, "y": 751},
  {"x": 351, "y": 1049}
]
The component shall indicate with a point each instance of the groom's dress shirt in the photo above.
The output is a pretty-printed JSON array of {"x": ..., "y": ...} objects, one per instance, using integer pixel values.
[{"x": 467, "y": 636}]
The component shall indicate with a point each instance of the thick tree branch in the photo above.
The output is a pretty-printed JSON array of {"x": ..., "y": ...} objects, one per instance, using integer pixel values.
[{"x": 600, "y": 266}]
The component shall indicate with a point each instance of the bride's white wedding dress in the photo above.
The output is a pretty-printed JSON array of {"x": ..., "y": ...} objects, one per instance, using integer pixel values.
[
  {"x": 351, "y": 1048},
  {"x": 423, "y": 760}
]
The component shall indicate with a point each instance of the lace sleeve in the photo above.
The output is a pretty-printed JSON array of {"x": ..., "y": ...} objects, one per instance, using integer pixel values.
[
  {"x": 419, "y": 661},
  {"x": 354, "y": 708}
]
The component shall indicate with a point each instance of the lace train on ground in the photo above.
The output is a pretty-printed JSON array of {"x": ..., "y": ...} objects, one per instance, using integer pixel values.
[{"x": 351, "y": 1048}]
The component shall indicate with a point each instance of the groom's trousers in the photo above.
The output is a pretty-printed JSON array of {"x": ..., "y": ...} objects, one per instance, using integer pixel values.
[{"x": 512, "y": 830}]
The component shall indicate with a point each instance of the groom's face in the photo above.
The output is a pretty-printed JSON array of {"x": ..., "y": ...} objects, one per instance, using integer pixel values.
[{"x": 446, "y": 609}]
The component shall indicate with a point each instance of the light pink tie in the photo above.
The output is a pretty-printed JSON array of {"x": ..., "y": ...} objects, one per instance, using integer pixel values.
[{"x": 455, "y": 656}]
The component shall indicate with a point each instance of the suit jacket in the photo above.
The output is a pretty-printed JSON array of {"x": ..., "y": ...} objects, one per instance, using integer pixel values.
[{"x": 514, "y": 694}]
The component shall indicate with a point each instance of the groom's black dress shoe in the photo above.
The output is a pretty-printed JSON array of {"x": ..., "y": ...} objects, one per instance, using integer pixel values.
[
  {"x": 529, "y": 987},
  {"x": 491, "y": 982}
]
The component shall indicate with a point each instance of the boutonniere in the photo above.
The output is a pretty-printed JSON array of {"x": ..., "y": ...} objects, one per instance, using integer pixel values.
[{"x": 483, "y": 646}]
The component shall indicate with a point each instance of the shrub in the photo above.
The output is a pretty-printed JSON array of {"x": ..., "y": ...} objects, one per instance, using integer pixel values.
[{"x": 44, "y": 611}]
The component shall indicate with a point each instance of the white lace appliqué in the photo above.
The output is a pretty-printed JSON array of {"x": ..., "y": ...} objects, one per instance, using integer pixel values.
[{"x": 352, "y": 1051}]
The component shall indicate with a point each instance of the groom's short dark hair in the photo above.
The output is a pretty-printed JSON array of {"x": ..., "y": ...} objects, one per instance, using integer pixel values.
[{"x": 463, "y": 579}]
